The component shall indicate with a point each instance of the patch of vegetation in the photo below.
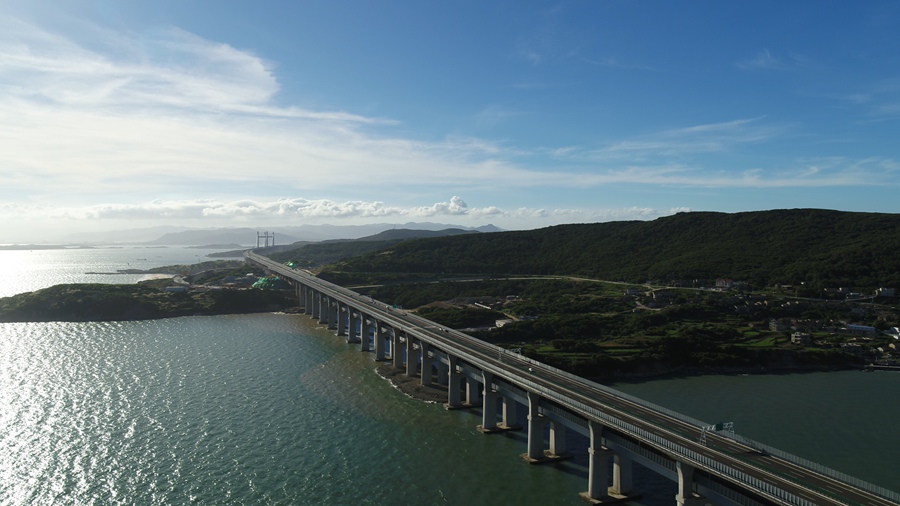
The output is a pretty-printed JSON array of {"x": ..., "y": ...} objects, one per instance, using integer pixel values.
[{"x": 105, "y": 302}]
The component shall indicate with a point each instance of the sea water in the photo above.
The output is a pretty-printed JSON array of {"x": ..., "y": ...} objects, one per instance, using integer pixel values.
[{"x": 274, "y": 409}]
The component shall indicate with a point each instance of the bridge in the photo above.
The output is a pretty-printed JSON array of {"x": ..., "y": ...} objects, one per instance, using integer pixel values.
[{"x": 710, "y": 464}]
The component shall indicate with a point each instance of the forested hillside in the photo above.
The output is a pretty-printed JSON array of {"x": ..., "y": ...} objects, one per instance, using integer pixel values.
[
  {"x": 812, "y": 248},
  {"x": 314, "y": 254}
]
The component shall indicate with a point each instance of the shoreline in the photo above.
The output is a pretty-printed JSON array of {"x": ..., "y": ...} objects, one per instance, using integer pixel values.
[{"x": 411, "y": 387}]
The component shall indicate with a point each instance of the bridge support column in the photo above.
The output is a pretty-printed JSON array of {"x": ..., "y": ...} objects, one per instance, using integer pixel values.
[
  {"x": 316, "y": 305},
  {"x": 509, "y": 414},
  {"x": 558, "y": 448},
  {"x": 473, "y": 393},
  {"x": 301, "y": 295},
  {"x": 685, "y": 496},
  {"x": 535, "y": 453},
  {"x": 488, "y": 405},
  {"x": 443, "y": 374},
  {"x": 598, "y": 466},
  {"x": 379, "y": 336},
  {"x": 396, "y": 351},
  {"x": 425, "y": 348},
  {"x": 354, "y": 326},
  {"x": 334, "y": 314},
  {"x": 622, "y": 483},
  {"x": 342, "y": 319},
  {"x": 365, "y": 327},
  {"x": 412, "y": 363},
  {"x": 324, "y": 309},
  {"x": 453, "y": 378}
]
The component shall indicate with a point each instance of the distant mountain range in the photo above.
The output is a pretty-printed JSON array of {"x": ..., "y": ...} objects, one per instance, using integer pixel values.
[{"x": 246, "y": 236}]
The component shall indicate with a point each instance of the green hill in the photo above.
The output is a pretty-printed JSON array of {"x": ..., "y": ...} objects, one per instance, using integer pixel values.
[
  {"x": 314, "y": 254},
  {"x": 815, "y": 248}
]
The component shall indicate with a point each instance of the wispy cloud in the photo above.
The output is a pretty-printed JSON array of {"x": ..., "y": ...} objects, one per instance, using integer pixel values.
[
  {"x": 615, "y": 63},
  {"x": 763, "y": 60},
  {"x": 705, "y": 138},
  {"x": 880, "y": 101}
]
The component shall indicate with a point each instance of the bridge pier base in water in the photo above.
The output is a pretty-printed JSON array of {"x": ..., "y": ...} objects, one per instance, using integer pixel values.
[
  {"x": 536, "y": 453},
  {"x": 600, "y": 491},
  {"x": 489, "y": 406}
]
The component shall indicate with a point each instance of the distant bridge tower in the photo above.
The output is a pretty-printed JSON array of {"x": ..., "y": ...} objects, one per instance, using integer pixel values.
[{"x": 266, "y": 236}]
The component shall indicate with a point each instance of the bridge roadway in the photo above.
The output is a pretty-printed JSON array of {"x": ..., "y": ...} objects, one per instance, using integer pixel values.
[{"x": 736, "y": 463}]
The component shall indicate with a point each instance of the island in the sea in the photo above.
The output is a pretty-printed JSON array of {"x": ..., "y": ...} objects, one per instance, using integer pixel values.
[{"x": 207, "y": 288}]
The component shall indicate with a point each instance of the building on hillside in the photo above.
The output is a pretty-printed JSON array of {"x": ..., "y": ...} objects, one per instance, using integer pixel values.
[
  {"x": 801, "y": 338},
  {"x": 724, "y": 284},
  {"x": 860, "y": 330},
  {"x": 779, "y": 324},
  {"x": 885, "y": 292}
]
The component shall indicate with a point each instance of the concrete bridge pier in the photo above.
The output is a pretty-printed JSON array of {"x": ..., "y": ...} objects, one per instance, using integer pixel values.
[
  {"x": 323, "y": 309},
  {"x": 306, "y": 299},
  {"x": 334, "y": 314},
  {"x": 622, "y": 484},
  {"x": 473, "y": 393},
  {"x": 342, "y": 319},
  {"x": 354, "y": 326},
  {"x": 316, "y": 305},
  {"x": 535, "y": 448},
  {"x": 412, "y": 362},
  {"x": 686, "y": 496},
  {"x": 365, "y": 330},
  {"x": 425, "y": 349},
  {"x": 453, "y": 379},
  {"x": 443, "y": 374},
  {"x": 300, "y": 293},
  {"x": 379, "y": 336},
  {"x": 558, "y": 449},
  {"x": 509, "y": 414},
  {"x": 598, "y": 467},
  {"x": 397, "y": 350},
  {"x": 489, "y": 405}
]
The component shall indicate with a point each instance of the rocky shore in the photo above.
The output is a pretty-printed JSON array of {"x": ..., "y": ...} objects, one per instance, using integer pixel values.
[{"x": 412, "y": 387}]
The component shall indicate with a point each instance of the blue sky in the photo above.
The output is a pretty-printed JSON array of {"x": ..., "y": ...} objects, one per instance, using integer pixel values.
[{"x": 521, "y": 114}]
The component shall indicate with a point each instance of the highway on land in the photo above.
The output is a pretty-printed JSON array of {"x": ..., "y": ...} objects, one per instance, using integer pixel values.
[{"x": 807, "y": 484}]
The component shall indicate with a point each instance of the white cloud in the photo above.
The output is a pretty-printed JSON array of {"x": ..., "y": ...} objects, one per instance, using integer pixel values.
[
  {"x": 763, "y": 60},
  {"x": 206, "y": 212}
]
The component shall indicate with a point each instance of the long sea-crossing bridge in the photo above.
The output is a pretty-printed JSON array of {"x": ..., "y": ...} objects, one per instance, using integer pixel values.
[{"x": 711, "y": 464}]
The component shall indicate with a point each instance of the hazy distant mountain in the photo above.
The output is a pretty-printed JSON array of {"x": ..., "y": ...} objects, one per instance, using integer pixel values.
[
  {"x": 405, "y": 233},
  {"x": 242, "y": 236},
  {"x": 136, "y": 235},
  {"x": 247, "y": 236}
]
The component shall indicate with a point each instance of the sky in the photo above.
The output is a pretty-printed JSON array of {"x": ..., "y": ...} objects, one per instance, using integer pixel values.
[{"x": 130, "y": 114}]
